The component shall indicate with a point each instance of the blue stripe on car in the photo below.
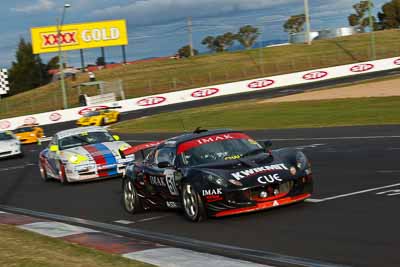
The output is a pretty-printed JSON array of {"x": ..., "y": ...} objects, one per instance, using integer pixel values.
[{"x": 109, "y": 157}]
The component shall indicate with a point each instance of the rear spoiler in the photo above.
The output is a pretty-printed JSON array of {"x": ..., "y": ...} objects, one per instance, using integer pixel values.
[{"x": 134, "y": 149}]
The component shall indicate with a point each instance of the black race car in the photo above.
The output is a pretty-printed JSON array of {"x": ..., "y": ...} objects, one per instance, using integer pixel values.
[{"x": 214, "y": 173}]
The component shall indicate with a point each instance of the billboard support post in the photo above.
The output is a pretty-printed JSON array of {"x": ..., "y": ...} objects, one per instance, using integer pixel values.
[
  {"x": 61, "y": 65},
  {"x": 123, "y": 54},
  {"x": 103, "y": 55},
  {"x": 82, "y": 60}
]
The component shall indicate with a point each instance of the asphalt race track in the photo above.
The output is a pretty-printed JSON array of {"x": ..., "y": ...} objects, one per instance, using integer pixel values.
[
  {"x": 352, "y": 218},
  {"x": 360, "y": 229}
]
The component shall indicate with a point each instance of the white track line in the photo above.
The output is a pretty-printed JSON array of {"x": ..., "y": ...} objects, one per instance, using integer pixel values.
[
  {"x": 16, "y": 167},
  {"x": 313, "y": 200}
]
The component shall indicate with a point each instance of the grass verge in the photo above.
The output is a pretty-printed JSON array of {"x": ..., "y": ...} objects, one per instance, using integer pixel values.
[
  {"x": 154, "y": 77},
  {"x": 252, "y": 115},
  {"x": 23, "y": 248}
]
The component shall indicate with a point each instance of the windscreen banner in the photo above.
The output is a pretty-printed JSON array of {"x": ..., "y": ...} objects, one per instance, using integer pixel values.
[{"x": 79, "y": 36}]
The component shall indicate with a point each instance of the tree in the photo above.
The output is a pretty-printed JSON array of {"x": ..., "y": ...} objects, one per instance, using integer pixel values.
[
  {"x": 219, "y": 43},
  {"x": 295, "y": 24},
  {"x": 100, "y": 61},
  {"x": 389, "y": 18},
  {"x": 28, "y": 71},
  {"x": 359, "y": 19},
  {"x": 210, "y": 42},
  {"x": 53, "y": 63},
  {"x": 247, "y": 36},
  {"x": 185, "y": 51}
]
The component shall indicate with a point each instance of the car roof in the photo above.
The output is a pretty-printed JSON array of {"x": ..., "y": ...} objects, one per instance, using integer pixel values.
[
  {"x": 202, "y": 133},
  {"x": 80, "y": 130}
]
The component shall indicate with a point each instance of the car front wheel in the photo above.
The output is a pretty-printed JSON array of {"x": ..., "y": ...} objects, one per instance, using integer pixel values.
[
  {"x": 130, "y": 198},
  {"x": 193, "y": 206},
  {"x": 43, "y": 172}
]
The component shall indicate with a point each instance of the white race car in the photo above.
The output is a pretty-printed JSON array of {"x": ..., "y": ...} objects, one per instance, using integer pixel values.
[
  {"x": 9, "y": 145},
  {"x": 82, "y": 154}
]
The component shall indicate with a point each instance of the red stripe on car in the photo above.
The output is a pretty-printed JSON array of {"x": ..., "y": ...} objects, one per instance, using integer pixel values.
[
  {"x": 210, "y": 139},
  {"x": 98, "y": 158}
]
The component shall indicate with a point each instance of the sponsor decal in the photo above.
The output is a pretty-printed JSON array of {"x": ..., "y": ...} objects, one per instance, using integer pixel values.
[
  {"x": 172, "y": 205},
  {"x": 212, "y": 195},
  {"x": 5, "y": 124},
  {"x": 269, "y": 179},
  {"x": 212, "y": 192},
  {"x": 397, "y": 61},
  {"x": 261, "y": 84},
  {"x": 106, "y": 167},
  {"x": 30, "y": 120},
  {"x": 205, "y": 92},
  {"x": 55, "y": 116},
  {"x": 151, "y": 101},
  {"x": 170, "y": 179},
  {"x": 361, "y": 67},
  {"x": 210, "y": 139},
  {"x": 158, "y": 181},
  {"x": 64, "y": 38},
  {"x": 88, "y": 109},
  {"x": 315, "y": 75},
  {"x": 254, "y": 171}
]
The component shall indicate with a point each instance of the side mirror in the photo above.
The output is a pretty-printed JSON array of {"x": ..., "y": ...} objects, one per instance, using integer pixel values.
[
  {"x": 116, "y": 137},
  {"x": 54, "y": 148},
  {"x": 164, "y": 164},
  {"x": 268, "y": 144}
]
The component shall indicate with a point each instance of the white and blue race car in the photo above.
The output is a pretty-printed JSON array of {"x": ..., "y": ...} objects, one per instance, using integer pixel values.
[
  {"x": 9, "y": 145},
  {"x": 83, "y": 154}
]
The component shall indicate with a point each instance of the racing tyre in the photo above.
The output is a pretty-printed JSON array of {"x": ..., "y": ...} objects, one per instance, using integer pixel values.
[
  {"x": 102, "y": 122},
  {"x": 130, "y": 198},
  {"x": 193, "y": 205},
  {"x": 61, "y": 172},
  {"x": 43, "y": 172}
]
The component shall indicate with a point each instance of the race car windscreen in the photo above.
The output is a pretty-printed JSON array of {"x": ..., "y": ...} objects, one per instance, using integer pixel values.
[
  {"x": 83, "y": 139},
  {"x": 91, "y": 114},
  {"x": 5, "y": 137},
  {"x": 216, "y": 148},
  {"x": 23, "y": 130}
]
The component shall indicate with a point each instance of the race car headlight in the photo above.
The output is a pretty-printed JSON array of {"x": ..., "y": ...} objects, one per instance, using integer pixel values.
[
  {"x": 301, "y": 160},
  {"x": 32, "y": 135},
  {"x": 76, "y": 159},
  {"x": 216, "y": 179}
]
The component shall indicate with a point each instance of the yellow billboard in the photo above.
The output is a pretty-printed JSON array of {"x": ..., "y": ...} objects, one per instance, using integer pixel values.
[{"x": 79, "y": 36}]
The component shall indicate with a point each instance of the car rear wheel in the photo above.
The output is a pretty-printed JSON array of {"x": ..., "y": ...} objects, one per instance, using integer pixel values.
[
  {"x": 193, "y": 206},
  {"x": 43, "y": 172},
  {"x": 130, "y": 198}
]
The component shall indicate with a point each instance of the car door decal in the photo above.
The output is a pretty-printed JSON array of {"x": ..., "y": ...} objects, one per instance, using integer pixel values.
[{"x": 170, "y": 180}]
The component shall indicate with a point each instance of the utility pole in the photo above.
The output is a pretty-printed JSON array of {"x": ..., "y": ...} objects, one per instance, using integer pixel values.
[
  {"x": 306, "y": 13},
  {"x": 372, "y": 33},
  {"x": 190, "y": 32}
]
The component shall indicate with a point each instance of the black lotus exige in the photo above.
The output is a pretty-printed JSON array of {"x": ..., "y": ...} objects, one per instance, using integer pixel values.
[{"x": 215, "y": 173}]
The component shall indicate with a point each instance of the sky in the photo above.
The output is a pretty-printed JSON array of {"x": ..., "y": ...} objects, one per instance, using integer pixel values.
[{"x": 158, "y": 27}]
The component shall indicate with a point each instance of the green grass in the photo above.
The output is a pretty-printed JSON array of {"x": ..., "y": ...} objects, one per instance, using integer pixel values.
[
  {"x": 253, "y": 114},
  {"x": 155, "y": 77},
  {"x": 23, "y": 248}
]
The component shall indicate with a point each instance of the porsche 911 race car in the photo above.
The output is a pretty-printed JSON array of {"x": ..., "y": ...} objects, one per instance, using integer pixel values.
[
  {"x": 99, "y": 117},
  {"x": 9, "y": 145},
  {"x": 83, "y": 154},
  {"x": 215, "y": 173},
  {"x": 29, "y": 133}
]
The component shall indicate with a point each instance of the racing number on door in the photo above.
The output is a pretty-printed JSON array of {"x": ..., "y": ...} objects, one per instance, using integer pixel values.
[{"x": 170, "y": 179}]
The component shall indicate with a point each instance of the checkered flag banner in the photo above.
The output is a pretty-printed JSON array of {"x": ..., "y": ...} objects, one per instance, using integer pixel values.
[{"x": 4, "y": 85}]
